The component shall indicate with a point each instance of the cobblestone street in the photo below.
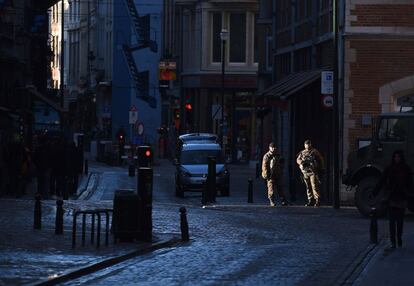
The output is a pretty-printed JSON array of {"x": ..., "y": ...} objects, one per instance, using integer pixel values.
[{"x": 232, "y": 242}]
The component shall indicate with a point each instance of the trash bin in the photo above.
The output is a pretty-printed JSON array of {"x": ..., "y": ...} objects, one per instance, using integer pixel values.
[{"x": 127, "y": 208}]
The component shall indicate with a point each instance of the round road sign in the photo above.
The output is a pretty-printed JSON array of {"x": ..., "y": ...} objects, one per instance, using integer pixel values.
[
  {"x": 327, "y": 101},
  {"x": 140, "y": 128}
]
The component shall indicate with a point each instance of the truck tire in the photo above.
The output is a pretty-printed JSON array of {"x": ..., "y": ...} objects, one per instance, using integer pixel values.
[
  {"x": 364, "y": 199},
  {"x": 410, "y": 205}
]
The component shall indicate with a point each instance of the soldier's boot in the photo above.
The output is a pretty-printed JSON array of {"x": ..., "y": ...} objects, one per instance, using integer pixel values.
[
  {"x": 272, "y": 202},
  {"x": 317, "y": 204},
  {"x": 284, "y": 202},
  {"x": 310, "y": 203}
]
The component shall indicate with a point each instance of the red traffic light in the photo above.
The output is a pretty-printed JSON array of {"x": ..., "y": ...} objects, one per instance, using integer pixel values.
[
  {"x": 148, "y": 153},
  {"x": 188, "y": 106}
]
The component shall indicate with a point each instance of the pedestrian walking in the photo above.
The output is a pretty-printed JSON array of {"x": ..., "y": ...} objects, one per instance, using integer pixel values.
[
  {"x": 312, "y": 167},
  {"x": 272, "y": 172},
  {"x": 397, "y": 182}
]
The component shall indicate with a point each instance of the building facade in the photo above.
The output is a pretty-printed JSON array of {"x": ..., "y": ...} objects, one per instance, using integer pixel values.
[
  {"x": 137, "y": 30},
  {"x": 302, "y": 47},
  {"x": 24, "y": 55},
  {"x": 197, "y": 46},
  {"x": 378, "y": 65}
]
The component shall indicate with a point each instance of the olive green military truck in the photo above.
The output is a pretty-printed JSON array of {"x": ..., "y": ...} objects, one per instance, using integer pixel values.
[{"x": 391, "y": 131}]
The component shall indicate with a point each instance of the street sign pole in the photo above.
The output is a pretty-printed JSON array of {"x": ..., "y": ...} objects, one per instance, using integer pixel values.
[{"x": 335, "y": 121}]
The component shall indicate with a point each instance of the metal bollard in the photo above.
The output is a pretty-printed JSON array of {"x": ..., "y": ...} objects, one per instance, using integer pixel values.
[
  {"x": 74, "y": 230},
  {"x": 86, "y": 167},
  {"x": 38, "y": 213},
  {"x": 250, "y": 191},
  {"x": 211, "y": 179},
  {"x": 257, "y": 170},
  {"x": 373, "y": 229},
  {"x": 204, "y": 194},
  {"x": 184, "y": 224},
  {"x": 59, "y": 217}
]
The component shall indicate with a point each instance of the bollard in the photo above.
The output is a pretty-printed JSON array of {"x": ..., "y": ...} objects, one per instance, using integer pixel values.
[
  {"x": 145, "y": 183},
  {"x": 74, "y": 230},
  {"x": 184, "y": 224},
  {"x": 204, "y": 194},
  {"x": 373, "y": 229},
  {"x": 59, "y": 217},
  {"x": 211, "y": 179},
  {"x": 86, "y": 167},
  {"x": 250, "y": 191},
  {"x": 257, "y": 170},
  {"x": 83, "y": 229},
  {"x": 131, "y": 170},
  {"x": 38, "y": 213}
]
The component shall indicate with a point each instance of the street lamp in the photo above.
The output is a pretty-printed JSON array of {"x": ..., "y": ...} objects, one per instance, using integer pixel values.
[{"x": 224, "y": 35}]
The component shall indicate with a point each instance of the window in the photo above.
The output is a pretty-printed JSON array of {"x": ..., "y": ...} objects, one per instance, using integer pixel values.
[
  {"x": 393, "y": 129},
  {"x": 216, "y": 37},
  {"x": 200, "y": 157},
  {"x": 269, "y": 53},
  {"x": 237, "y": 37},
  {"x": 256, "y": 39}
]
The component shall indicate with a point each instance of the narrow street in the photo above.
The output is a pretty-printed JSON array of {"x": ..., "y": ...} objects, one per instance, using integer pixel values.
[{"x": 233, "y": 242}]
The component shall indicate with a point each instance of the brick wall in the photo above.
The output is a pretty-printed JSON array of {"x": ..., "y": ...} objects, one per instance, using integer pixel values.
[
  {"x": 383, "y": 15},
  {"x": 377, "y": 63}
]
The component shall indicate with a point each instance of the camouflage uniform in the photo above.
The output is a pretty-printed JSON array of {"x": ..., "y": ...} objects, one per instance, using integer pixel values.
[
  {"x": 272, "y": 172},
  {"x": 311, "y": 164}
]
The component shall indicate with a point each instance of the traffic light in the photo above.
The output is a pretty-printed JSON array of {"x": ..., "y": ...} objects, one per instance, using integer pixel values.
[
  {"x": 188, "y": 106},
  {"x": 121, "y": 136},
  {"x": 145, "y": 155},
  {"x": 176, "y": 113}
]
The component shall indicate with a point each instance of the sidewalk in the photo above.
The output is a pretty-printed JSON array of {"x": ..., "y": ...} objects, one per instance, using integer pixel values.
[
  {"x": 391, "y": 267},
  {"x": 29, "y": 256}
]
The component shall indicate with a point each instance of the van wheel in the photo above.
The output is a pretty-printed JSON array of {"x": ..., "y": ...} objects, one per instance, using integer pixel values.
[{"x": 364, "y": 198}]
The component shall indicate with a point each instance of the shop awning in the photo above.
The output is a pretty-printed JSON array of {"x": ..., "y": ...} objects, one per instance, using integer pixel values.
[
  {"x": 46, "y": 100},
  {"x": 291, "y": 84}
]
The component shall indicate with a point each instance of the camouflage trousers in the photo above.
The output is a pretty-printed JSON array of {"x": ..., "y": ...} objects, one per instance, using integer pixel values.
[
  {"x": 274, "y": 186},
  {"x": 312, "y": 186}
]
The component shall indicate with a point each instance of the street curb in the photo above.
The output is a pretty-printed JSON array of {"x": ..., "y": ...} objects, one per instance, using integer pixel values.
[
  {"x": 74, "y": 274},
  {"x": 354, "y": 270}
]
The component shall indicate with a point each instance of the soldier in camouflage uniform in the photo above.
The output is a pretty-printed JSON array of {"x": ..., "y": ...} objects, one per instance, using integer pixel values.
[
  {"x": 272, "y": 170},
  {"x": 311, "y": 164}
]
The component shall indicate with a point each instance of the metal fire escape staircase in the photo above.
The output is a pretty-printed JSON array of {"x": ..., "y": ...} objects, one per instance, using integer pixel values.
[{"x": 142, "y": 30}]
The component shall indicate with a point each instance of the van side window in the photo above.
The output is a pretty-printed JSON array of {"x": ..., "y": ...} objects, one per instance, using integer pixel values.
[{"x": 393, "y": 129}]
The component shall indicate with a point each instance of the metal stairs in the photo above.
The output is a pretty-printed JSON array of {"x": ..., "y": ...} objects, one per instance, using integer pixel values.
[
  {"x": 142, "y": 30},
  {"x": 141, "y": 79}
]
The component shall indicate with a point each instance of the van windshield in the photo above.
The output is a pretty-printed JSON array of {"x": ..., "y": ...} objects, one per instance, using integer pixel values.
[{"x": 200, "y": 157}]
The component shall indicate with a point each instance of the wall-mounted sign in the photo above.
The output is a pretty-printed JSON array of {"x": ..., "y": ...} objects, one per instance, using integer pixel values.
[
  {"x": 327, "y": 78},
  {"x": 327, "y": 101},
  {"x": 133, "y": 115}
]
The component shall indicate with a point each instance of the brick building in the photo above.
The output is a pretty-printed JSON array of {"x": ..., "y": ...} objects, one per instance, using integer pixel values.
[{"x": 378, "y": 64}]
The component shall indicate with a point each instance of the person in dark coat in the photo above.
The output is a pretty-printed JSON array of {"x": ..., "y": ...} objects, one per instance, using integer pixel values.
[{"x": 398, "y": 183}]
